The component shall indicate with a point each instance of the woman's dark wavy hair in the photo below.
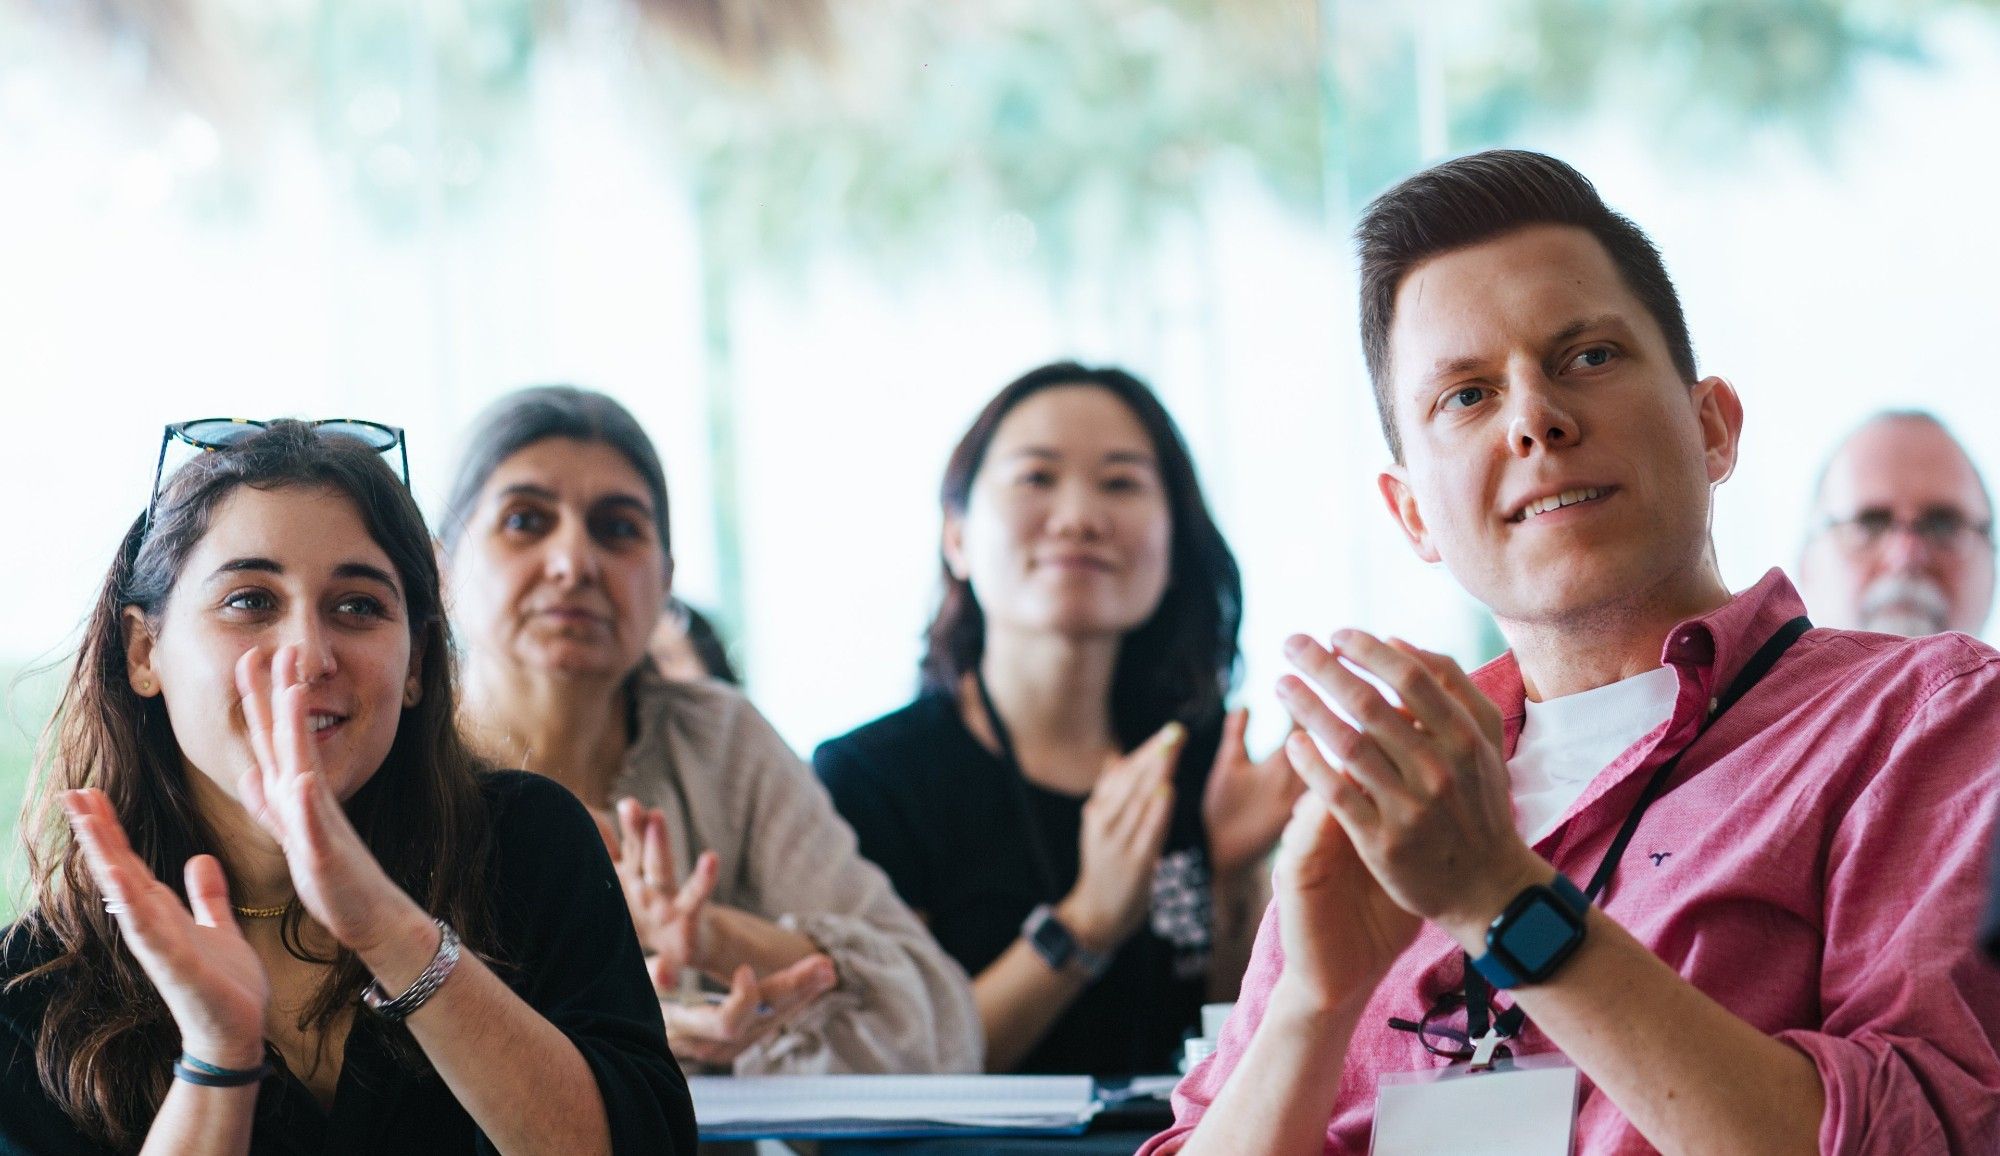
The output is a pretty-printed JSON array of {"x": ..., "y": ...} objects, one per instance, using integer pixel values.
[
  {"x": 107, "y": 1042},
  {"x": 1181, "y": 662}
]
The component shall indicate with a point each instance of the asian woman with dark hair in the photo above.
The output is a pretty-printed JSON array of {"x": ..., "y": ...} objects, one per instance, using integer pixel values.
[
  {"x": 287, "y": 912},
  {"x": 1066, "y": 802}
]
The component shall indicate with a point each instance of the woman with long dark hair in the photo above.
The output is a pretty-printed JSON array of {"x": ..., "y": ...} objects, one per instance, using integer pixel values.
[
  {"x": 1066, "y": 803},
  {"x": 287, "y": 912}
]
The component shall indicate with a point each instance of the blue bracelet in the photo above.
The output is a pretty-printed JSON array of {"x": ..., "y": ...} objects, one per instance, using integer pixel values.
[{"x": 209, "y": 1076}]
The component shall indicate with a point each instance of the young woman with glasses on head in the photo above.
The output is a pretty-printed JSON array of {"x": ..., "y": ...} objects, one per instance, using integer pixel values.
[
  {"x": 734, "y": 863},
  {"x": 1066, "y": 802},
  {"x": 286, "y": 911}
]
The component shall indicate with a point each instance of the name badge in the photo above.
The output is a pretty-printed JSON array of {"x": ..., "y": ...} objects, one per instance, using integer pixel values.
[{"x": 1523, "y": 1107}]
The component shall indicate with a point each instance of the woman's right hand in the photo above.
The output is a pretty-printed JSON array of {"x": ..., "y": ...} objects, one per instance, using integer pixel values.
[
  {"x": 212, "y": 981},
  {"x": 666, "y": 914},
  {"x": 1125, "y": 824}
]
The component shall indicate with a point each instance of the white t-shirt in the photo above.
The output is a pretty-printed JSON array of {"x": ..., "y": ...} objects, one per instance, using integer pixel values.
[{"x": 1566, "y": 742}]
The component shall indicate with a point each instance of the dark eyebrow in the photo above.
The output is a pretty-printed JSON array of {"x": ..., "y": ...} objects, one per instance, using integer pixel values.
[
  {"x": 1115, "y": 457},
  {"x": 544, "y": 494},
  {"x": 361, "y": 570},
  {"x": 242, "y": 565},
  {"x": 367, "y": 573},
  {"x": 624, "y": 501},
  {"x": 1454, "y": 366}
]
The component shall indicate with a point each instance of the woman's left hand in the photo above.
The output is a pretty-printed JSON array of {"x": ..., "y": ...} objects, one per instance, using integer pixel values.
[
  {"x": 337, "y": 878},
  {"x": 715, "y": 1034},
  {"x": 1247, "y": 803}
]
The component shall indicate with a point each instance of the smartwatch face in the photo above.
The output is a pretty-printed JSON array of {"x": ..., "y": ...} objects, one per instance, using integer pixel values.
[
  {"x": 1052, "y": 942},
  {"x": 1540, "y": 934}
]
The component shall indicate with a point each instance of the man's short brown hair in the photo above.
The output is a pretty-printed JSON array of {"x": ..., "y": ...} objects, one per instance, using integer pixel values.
[{"x": 1476, "y": 198}]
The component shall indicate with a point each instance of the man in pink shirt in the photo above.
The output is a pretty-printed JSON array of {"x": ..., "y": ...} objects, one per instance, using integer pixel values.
[{"x": 1783, "y": 832}]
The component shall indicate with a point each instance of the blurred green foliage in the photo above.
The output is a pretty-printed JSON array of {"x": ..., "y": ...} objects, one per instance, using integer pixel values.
[
  {"x": 916, "y": 124},
  {"x": 30, "y": 697},
  {"x": 1091, "y": 124}
]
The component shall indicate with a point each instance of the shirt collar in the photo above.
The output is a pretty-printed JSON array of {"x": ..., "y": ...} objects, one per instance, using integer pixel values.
[{"x": 1712, "y": 648}]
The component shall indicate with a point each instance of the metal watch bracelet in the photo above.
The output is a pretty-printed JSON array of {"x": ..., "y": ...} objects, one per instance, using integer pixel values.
[{"x": 423, "y": 987}]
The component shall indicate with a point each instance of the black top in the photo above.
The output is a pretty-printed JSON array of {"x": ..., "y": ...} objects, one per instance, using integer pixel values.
[
  {"x": 574, "y": 958},
  {"x": 938, "y": 812},
  {"x": 1992, "y": 932}
]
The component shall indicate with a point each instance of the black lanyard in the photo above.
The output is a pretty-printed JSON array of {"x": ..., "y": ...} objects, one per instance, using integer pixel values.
[
  {"x": 1479, "y": 993},
  {"x": 1017, "y": 780}
]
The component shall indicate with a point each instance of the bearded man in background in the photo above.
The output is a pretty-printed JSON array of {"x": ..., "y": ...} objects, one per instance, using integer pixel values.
[{"x": 1902, "y": 537}]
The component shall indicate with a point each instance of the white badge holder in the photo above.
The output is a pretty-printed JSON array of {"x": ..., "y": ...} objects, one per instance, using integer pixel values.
[{"x": 1524, "y": 1107}]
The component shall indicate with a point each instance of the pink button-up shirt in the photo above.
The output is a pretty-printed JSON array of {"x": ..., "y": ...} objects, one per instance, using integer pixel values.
[{"x": 1816, "y": 866}]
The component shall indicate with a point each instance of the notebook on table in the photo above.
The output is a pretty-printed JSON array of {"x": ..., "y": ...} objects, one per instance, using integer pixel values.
[{"x": 830, "y": 1107}]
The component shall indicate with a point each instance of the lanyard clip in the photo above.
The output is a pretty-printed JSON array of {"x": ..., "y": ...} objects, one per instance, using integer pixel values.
[{"x": 1483, "y": 1049}]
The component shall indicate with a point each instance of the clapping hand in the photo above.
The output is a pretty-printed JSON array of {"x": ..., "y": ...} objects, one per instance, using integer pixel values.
[
  {"x": 212, "y": 981},
  {"x": 716, "y": 1034},
  {"x": 338, "y": 881},
  {"x": 667, "y": 916},
  {"x": 1340, "y": 930},
  {"x": 1421, "y": 790},
  {"x": 1247, "y": 802},
  {"x": 1125, "y": 824}
]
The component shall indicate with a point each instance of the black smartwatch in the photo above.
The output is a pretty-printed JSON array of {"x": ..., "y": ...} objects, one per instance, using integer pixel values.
[
  {"x": 1058, "y": 947},
  {"x": 1540, "y": 929}
]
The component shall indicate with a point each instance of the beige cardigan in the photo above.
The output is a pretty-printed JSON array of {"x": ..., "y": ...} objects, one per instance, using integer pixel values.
[{"x": 729, "y": 784}]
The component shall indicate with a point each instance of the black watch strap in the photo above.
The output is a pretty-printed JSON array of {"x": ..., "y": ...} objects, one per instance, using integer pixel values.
[{"x": 1058, "y": 947}]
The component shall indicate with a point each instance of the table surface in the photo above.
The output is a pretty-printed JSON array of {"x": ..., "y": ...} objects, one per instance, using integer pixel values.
[{"x": 1120, "y": 1143}]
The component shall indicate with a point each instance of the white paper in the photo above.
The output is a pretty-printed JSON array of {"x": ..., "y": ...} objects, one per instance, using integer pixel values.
[
  {"x": 798, "y": 1103},
  {"x": 1528, "y": 1109}
]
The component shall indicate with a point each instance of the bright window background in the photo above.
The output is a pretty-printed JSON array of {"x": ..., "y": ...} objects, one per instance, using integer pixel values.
[{"x": 805, "y": 251}]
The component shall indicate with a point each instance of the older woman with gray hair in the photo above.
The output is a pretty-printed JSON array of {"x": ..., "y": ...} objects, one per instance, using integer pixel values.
[{"x": 734, "y": 863}]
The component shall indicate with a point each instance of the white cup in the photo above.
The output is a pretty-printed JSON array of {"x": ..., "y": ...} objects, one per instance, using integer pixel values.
[
  {"x": 1193, "y": 1052},
  {"x": 1213, "y": 1016}
]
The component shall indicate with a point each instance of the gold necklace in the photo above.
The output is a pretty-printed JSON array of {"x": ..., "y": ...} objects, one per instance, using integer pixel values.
[{"x": 262, "y": 912}]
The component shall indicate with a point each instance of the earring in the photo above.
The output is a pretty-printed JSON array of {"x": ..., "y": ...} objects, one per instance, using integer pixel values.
[{"x": 145, "y": 686}]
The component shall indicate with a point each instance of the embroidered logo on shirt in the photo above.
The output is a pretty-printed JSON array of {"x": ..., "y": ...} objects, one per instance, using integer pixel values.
[
  {"x": 1659, "y": 857},
  {"x": 1183, "y": 909}
]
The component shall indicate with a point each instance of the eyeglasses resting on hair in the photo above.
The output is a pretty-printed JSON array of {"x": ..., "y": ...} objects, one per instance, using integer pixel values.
[
  {"x": 1944, "y": 529},
  {"x": 219, "y": 433}
]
